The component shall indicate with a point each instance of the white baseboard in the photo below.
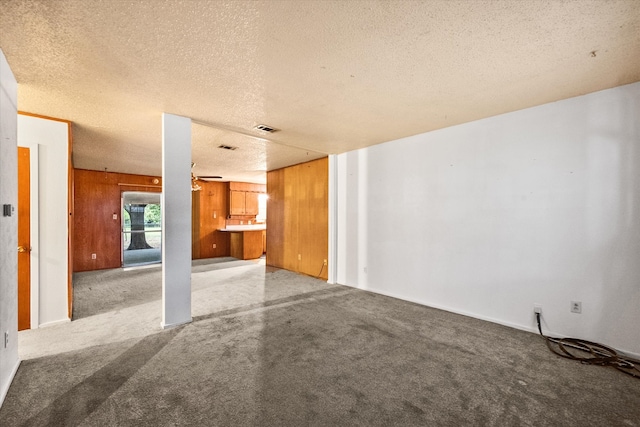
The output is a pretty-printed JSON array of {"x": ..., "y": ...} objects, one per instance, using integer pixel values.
[
  {"x": 525, "y": 328},
  {"x": 5, "y": 387},
  {"x": 173, "y": 325},
  {"x": 55, "y": 322}
]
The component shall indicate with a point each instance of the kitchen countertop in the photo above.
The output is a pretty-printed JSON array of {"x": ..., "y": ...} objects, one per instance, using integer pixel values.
[{"x": 252, "y": 227}]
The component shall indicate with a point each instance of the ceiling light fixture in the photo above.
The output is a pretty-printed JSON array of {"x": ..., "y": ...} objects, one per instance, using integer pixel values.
[{"x": 194, "y": 184}]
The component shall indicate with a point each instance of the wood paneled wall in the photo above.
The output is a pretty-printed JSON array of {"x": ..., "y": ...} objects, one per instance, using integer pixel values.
[
  {"x": 298, "y": 218},
  {"x": 208, "y": 217},
  {"x": 97, "y": 198}
]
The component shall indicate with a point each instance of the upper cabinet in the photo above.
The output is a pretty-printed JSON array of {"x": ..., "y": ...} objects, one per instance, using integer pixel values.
[
  {"x": 236, "y": 202},
  {"x": 243, "y": 203},
  {"x": 251, "y": 203},
  {"x": 243, "y": 198}
]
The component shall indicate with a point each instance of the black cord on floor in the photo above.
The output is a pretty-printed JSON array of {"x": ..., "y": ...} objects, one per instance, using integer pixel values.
[
  {"x": 591, "y": 353},
  {"x": 321, "y": 268}
]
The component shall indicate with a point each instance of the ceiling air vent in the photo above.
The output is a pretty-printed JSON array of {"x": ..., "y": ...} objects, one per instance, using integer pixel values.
[
  {"x": 265, "y": 128},
  {"x": 227, "y": 147}
]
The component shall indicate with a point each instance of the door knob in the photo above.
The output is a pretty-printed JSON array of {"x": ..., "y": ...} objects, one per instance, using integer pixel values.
[{"x": 22, "y": 249}]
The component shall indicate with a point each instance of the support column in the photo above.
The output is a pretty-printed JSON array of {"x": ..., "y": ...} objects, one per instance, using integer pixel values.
[
  {"x": 333, "y": 219},
  {"x": 176, "y": 220}
]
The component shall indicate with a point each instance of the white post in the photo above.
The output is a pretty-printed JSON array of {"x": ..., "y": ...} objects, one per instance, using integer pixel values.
[
  {"x": 333, "y": 219},
  {"x": 176, "y": 220}
]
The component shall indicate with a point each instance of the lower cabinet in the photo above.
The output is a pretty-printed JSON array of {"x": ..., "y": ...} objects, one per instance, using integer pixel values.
[{"x": 247, "y": 244}]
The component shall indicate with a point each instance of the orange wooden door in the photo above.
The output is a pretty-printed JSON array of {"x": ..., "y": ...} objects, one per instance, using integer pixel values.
[{"x": 24, "y": 241}]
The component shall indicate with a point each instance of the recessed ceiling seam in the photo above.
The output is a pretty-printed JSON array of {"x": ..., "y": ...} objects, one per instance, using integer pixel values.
[{"x": 251, "y": 135}]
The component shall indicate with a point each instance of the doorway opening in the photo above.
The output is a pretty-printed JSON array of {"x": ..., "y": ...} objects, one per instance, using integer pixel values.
[{"x": 141, "y": 228}]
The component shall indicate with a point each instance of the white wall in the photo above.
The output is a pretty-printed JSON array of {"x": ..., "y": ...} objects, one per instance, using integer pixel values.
[
  {"x": 48, "y": 141},
  {"x": 8, "y": 227},
  {"x": 487, "y": 218}
]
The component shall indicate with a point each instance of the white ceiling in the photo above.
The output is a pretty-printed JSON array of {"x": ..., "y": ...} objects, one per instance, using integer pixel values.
[{"x": 332, "y": 75}]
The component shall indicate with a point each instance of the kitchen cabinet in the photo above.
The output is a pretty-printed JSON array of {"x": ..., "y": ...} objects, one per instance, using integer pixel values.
[
  {"x": 243, "y": 203},
  {"x": 251, "y": 203},
  {"x": 236, "y": 202},
  {"x": 264, "y": 241},
  {"x": 247, "y": 244}
]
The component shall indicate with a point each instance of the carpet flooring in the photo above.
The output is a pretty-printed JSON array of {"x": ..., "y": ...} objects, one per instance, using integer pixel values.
[
  {"x": 269, "y": 347},
  {"x": 141, "y": 256}
]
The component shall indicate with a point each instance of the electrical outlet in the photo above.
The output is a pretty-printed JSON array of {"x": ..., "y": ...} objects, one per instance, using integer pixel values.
[
  {"x": 537, "y": 308},
  {"x": 215, "y": 215},
  {"x": 93, "y": 256},
  {"x": 576, "y": 306},
  {"x": 325, "y": 262},
  {"x": 115, "y": 216},
  {"x": 214, "y": 246},
  {"x": 299, "y": 257}
]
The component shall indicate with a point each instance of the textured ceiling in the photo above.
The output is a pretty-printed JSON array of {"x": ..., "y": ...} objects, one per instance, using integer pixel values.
[{"x": 332, "y": 75}]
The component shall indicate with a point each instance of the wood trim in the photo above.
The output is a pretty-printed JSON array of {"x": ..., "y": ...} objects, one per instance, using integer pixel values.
[
  {"x": 40, "y": 116},
  {"x": 138, "y": 185}
]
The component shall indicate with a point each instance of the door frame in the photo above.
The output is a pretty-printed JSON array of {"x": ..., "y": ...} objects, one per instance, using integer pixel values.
[
  {"x": 39, "y": 146},
  {"x": 151, "y": 194},
  {"x": 35, "y": 236}
]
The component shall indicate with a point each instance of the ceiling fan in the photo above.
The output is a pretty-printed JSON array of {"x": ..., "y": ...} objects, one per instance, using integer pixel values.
[{"x": 194, "y": 178}]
